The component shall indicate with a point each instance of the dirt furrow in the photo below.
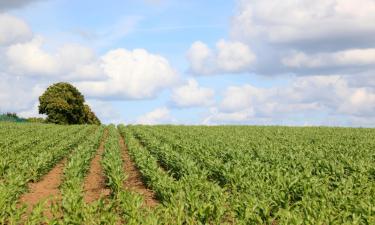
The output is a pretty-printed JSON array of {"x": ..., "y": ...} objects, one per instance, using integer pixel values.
[
  {"x": 46, "y": 188},
  {"x": 134, "y": 178},
  {"x": 94, "y": 184}
]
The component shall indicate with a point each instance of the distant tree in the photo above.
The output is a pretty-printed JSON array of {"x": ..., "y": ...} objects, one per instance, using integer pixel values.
[
  {"x": 11, "y": 117},
  {"x": 64, "y": 104}
]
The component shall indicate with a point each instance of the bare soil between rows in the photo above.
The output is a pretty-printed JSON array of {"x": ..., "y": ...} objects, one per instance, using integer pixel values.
[
  {"x": 94, "y": 185},
  {"x": 134, "y": 178},
  {"x": 45, "y": 189}
]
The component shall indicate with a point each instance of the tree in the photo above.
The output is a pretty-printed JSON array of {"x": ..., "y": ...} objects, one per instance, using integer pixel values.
[{"x": 64, "y": 104}]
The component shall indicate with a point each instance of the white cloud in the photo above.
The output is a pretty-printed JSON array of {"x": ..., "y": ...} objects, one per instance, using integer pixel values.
[
  {"x": 29, "y": 58},
  {"x": 18, "y": 94},
  {"x": 217, "y": 116},
  {"x": 293, "y": 21},
  {"x": 237, "y": 98},
  {"x": 359, "y": 102},
  {"x": 351, "y": 57},
  {"x": 135, "y": 74},
  {"x": 69, "y": 62},
  {"x": 305, "y": 97},
  {"x": 13, "y": 30},
  {"x": 120, "y": 73},
  {"x": 157, "y": 116},
  {"x": 228, "y": 57},
  {"x": 192, "y": 95},
  {"x": 324, "y": 36},
  {"x": 31, "y": 112},
  {"x": 105, "y": 111}
]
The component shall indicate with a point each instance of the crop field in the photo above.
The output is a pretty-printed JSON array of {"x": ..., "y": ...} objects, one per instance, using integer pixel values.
[{"x": 88, "y": 174}]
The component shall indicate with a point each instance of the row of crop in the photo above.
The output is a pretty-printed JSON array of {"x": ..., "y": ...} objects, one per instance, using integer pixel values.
[
  {"x": 73, "y": 207},
  {"x": 243, "y": 196},
  {"x": 11, "y": 135},
  {"x": 198, "y": 154},
  {"x": 122, "y": 206},
  {"x": 167, "y": 148},
  {"x": 126, "y": 205},
  {"x": 30, "y": 146},
  {"x": 32, "y": 167},
  {"x": 190, "y": 199},
  {"x": 14, "y": 162},
  {"x": 17, "y": 128},
  {"x": 284, "y": 174},
  {"x": 223, "y": 160},
  {"x": 302, "y": 170}
]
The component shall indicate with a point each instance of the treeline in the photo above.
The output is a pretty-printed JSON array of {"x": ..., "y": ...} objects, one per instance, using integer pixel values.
[{"x": 13, "y": 117}]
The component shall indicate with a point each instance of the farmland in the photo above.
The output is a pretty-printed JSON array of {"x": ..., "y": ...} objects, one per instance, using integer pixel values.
[{"x": 186, "y": 174}]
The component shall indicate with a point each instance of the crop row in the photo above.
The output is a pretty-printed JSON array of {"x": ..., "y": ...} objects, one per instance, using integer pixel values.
[
  {"x": 189, "y": 199},
  {"x": 73, "y": 206},
  {"x": 33, "y": 162},
  {"x": 288, "y": 175}
]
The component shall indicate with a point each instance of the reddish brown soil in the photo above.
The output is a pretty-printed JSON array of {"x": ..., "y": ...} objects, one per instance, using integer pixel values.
[
  {"x": 46, "y": 188},
  {"x": 134, "y": 178},
  {"x": 94, "y": 185}
]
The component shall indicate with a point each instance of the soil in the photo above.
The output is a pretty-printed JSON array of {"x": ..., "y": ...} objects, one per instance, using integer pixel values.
[
  {"x": 94, "y": 184},
  {"x": 134, "y": 178},
  {"x": 46, "y": 188}
]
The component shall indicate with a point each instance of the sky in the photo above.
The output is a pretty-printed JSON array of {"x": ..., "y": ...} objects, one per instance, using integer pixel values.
[{"x": 256, "y": 62}]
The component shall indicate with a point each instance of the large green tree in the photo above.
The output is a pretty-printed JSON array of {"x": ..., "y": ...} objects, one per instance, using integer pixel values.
[{"x": 64, "y": 104}]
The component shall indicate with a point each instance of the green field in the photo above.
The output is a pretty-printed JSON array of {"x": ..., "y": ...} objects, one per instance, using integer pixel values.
[{"x": 197, "y": 174}]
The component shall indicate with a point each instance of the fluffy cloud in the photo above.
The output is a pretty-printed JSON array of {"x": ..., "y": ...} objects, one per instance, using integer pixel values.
[
  {"x": 305, "y": 20},
  {"x": 105, "y": 111},
  {"x": 157, "y": 116},
  {"x": 351, "y": 57},
  {"x": 31, "y": 112},
  {"x": 135, "y": 74},
  {"x": 119, "y": 74},
  {"x": 228, "y": 57},
  {"x": 305, "y": 97},
  {"x": 13, "y": 30},
  {"x": 192, "y": 95},
  {"x": 218, "y": 117},
  {"x": 18, "y": 94},
  {"x": 24, "y": 54},
  {"x": 69, "y": 62},
  {"x": 28, "y": 58},
  {"x": 324, "y": 36}
]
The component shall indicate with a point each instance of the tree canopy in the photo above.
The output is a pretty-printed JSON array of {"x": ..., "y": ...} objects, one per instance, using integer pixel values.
[{"x": 64, "y": 104}]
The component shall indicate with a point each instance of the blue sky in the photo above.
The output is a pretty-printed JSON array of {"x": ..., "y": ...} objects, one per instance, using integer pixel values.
[{"x": 195, "y": 62}]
